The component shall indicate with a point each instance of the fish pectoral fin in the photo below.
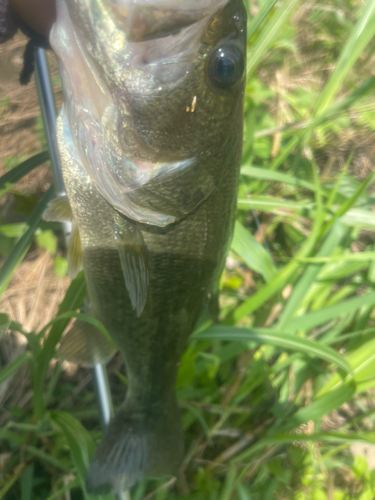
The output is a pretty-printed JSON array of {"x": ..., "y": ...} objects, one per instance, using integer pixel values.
[
  {"x": 85, "y": 345},
  {"x": 75, "y": 259},
  {"x": 58, "y": 210},
  {"x": 185, "y": 185},
  {"x": 133, "y": 256}
]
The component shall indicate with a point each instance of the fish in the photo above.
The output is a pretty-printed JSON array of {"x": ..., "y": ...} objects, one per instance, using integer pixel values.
[{"x": 150, "y": 140}]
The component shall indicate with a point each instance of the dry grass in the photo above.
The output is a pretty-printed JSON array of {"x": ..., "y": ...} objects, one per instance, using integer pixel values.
[
  {"x": 19, "y": 105},
  {"x": 34, "y": 292}
]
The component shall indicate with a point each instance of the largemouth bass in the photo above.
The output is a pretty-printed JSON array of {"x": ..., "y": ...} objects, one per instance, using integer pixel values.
[{"x": 150, "y": 138}]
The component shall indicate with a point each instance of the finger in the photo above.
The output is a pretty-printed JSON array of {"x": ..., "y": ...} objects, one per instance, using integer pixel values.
[{"x": 38, "y": 14}]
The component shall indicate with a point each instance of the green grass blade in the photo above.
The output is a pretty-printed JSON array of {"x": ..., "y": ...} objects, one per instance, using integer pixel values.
[
  {"x": 325, "y": 437},
  {"x": 358, "y": 217},
  {"x": 323, "y": 405},
  {"x": 348, "y": 204},
  {"x": 277, "y": 206},
  {"x": 230, "y": 483},
  {"x": 362, "y": 361},
  {"x": 278, "y": 339},
  {"x": 13, "y": 366},
  {"x": 309, "y": 276},
  {"x": 14, "y": 175},
  {"x": 338, "y": 182},
  {"x": 8, "y": 483},
  {"x": 243, "y": 494},
  {"x": 322, "y": 316},
  {"x": 45, "y": 457},
  {"x": 81, "y": 447},
  {"x": 259, "y": 18},
  {"x": 346, "y": 257},
  {"x": 82, "y": 317},
  {"x": 271, "y": 175},
  {"x": 73, "y": 300},
  {"x": 61, "y": 493},
  {"x": 355, "y": 217},
  {"x": 284, "y": 275},
  {"x": 252, "y": 252},
  {"x": 337, "y": 108},
  {"x": 269, "y": 34},
  {"x": 27, "y": 483},
  {"x": 361, "y": 35},
  {"x": 4, "y": 323},
  {"x": 23, "y": 244}
]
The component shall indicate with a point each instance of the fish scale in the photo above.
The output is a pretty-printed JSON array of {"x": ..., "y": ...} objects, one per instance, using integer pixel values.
[{"x": 153, "y": 207}]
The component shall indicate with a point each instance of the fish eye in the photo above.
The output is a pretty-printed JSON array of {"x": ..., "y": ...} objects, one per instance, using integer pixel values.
[{"x": 226, "y": 67}]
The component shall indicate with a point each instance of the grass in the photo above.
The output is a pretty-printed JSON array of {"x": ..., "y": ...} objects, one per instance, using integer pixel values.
[{"x": 276, "y": 396}]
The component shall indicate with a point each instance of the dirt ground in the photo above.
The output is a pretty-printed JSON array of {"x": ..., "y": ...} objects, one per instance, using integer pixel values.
[{"x": 35, "y": 291}]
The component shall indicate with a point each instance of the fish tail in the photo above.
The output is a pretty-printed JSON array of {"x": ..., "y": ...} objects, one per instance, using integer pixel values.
[{"x": 136, "y": 444}]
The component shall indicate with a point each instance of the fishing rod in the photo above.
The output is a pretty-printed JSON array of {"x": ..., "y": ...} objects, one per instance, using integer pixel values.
[{"x": 48, "y": 108}]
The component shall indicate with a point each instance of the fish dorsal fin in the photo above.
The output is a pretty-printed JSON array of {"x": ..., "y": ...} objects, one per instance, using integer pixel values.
[
  {"x": 133, "y": 256},
  {"x": 75, "y": 259},
  {"x": 85, "y": 345},
  {"x": 58, "y": 210}
]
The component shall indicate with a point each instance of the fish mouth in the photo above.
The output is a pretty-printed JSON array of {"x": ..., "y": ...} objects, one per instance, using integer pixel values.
[{"x": 144, "y": 20}]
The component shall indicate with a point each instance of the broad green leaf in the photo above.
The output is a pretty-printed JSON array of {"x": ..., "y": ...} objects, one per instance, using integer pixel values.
[
  {"x": 278, "y": 339},
  {"x": 23, "y": 244},
  {"x": 252, "y": 252},
  {"x": 14, "y": 175},
  {"x": 47, "y": 240},
  {"x": 13, "y": 230}
]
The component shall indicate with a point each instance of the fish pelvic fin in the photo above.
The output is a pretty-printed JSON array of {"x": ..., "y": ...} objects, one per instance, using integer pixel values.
[
  {"x": 134, "y": 263},
  {"x": 58, "y": 210},
  {"x": 75, "y": 255},
  {"x": 136, "y": 444},
  {"x": 85, "y": 345}
]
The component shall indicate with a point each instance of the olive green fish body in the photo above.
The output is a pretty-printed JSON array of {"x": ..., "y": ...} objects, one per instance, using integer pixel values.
[{"x": 150, "y": 156}]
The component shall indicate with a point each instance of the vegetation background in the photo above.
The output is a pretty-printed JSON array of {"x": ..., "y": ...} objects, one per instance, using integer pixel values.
[{"x": 277, "y": 401}]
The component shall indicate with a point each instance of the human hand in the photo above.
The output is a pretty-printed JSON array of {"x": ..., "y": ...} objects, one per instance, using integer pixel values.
[{"x": 38, "y": 14}]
